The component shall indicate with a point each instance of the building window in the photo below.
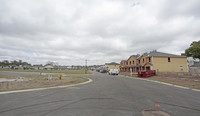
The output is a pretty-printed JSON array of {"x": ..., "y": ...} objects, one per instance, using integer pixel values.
[
  {"x": 181, "y": 68},
  {"x": 143, "y": 68},
  {"x": 133, "y": 61},
  {"x": 130, "y": 62},
  {"x": 149, "y": 59},
  {"x": 127, "y": 63},
  {"x": 143, "y": 60},
  {"x": 139, "y": 61},
  {"x": 168, "y": 59}
]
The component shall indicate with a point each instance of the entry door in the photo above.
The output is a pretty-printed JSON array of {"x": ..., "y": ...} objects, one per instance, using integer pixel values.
[
  {"x": 147, "y": 68},
  {"x": 137, "y": 69}
]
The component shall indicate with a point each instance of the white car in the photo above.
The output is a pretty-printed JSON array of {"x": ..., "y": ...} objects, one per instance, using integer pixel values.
[{"x": 113, "y": 71}]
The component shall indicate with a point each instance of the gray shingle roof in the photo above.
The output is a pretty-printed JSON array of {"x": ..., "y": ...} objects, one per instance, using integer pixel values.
[
  {"x": 112, "y": 63},
  {"x": 136, "y": 56},
  {"x": 155, "y": 53}
]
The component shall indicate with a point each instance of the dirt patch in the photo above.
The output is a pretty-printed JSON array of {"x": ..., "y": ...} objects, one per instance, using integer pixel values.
[
  {"x": 191, "y": 80},
  {"x": 36, "y": 81},
  {"x": 128, "y": 74},
  {"x": 183, "y": 79}
]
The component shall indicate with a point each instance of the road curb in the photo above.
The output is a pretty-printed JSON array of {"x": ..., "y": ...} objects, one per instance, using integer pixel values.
[
  {"x": 28, "y": 90},
  {"x": 169, "y": 84}
]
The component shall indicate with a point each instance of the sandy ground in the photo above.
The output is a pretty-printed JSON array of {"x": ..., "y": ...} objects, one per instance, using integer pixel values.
[
  {"x": 179, "y": 79},
  {"x": 16, "y": 82},
  {"x": 183, "y": 79}
]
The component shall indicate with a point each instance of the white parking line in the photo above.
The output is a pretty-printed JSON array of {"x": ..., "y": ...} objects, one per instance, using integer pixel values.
[{"x": 17, "y": 91}]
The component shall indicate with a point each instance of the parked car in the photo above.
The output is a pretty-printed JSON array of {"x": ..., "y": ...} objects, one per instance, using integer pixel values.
[
  {"x": 103, "y": 71},
  {"x": 98, "y": 69},
  {"x": 113, "y": 71}
]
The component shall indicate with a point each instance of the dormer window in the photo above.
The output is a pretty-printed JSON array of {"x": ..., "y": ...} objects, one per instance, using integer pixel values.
[
  {"x": 149, "y": 59},
  {"x": 133, "y": 61},
  {"x": 143, "y": 60}
]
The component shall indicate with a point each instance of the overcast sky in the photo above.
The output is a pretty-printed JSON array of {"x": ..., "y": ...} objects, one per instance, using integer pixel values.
[{"x": 70, "y": 31}]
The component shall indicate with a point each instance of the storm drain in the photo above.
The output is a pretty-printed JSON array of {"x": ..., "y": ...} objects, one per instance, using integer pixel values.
[{"x": 154, "y": 113}]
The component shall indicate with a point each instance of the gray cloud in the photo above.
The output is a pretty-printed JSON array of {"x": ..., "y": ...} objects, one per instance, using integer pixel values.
[{"x": 101, "y": 31}]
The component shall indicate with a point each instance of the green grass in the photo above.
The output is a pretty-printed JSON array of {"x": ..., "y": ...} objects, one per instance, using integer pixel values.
[{"x": 53, "y": 71}]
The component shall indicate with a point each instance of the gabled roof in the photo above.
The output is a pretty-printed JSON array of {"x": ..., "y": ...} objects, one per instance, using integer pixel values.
[
  {"x": 112, "y": 63},
  {"x": 155, "y": 53},
  {"x": 49, "y": 66},
  {"x": 136, "y": 56}
]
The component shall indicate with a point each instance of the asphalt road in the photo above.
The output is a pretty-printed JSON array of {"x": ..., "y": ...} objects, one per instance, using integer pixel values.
[{"x": 106, "y": 96}]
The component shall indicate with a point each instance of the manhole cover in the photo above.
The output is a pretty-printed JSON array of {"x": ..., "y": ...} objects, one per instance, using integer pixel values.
[{"x": 154, "y": 113}]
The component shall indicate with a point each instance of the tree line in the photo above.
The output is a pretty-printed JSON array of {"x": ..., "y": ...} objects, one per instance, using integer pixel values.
[
  {"x": 193, "y": 50},
  {"x": 14, "y": 63},
  {"x": 22, "y": 63}
]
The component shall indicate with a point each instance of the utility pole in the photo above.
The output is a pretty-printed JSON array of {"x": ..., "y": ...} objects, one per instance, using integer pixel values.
[{"x": 86, "y": 66}]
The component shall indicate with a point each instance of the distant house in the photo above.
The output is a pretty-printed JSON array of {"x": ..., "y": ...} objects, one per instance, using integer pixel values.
[
  {"x": 62, "y": 67},
  {"x": 7, "y": 67},
  {"x": 159, "y": 61},
  {"x": 20, "y": 67},
  {"x": 11, "y": 67},
  {"x": 195, "y": 67},
  {"x": 49, "y": 67},
  {"x": 1, "y": 67},
  {"x": 123, "y": 65},
  {"x": 27, "y": 67},
  {"x": 112, "y": 65},
  {"x": 38, "y": 67},
  {"x": 131, "y": 64}
]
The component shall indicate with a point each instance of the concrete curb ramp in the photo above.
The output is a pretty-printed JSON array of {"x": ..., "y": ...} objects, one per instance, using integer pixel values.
[{"x": 27, "y": 90}]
